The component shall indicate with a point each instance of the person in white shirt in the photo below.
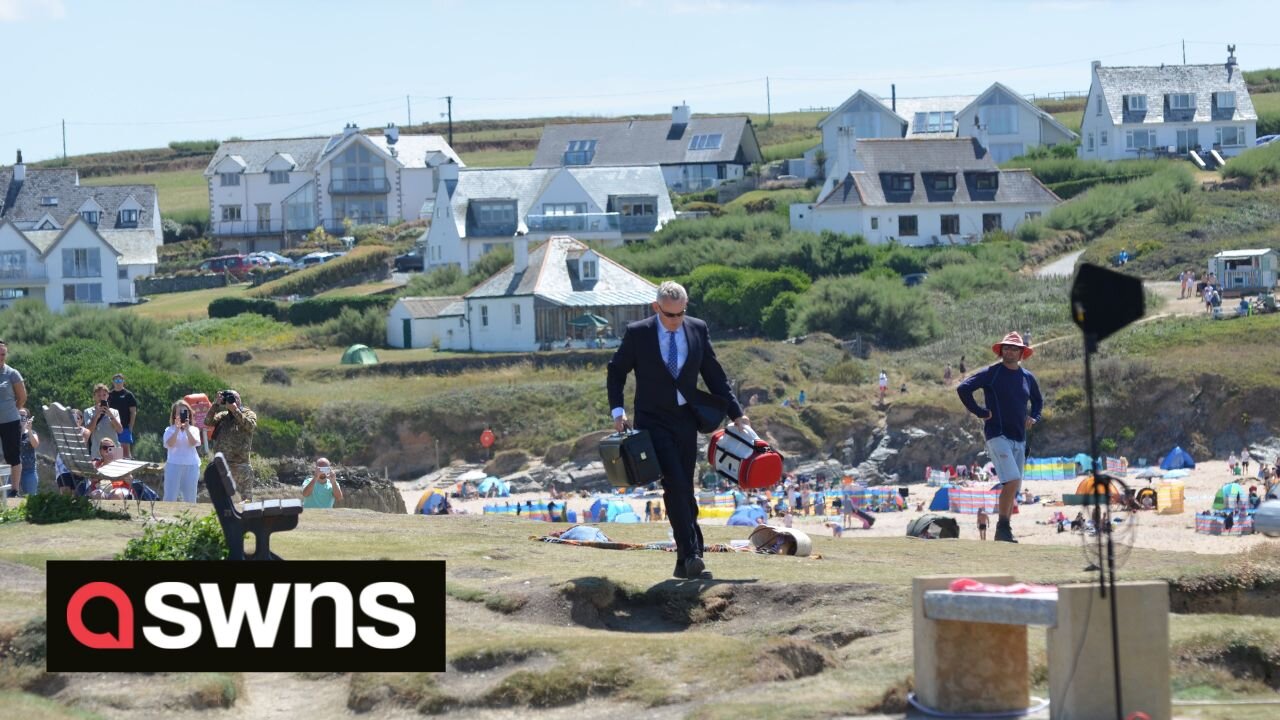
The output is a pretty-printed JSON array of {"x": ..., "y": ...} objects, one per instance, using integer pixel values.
[{"x": 182, "y": 467}]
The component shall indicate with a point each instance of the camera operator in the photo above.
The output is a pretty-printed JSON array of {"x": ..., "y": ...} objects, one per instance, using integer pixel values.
[
  {"x": 233, "y": 426},
  {"x": 182, "y": 467},
  {"x": 100, "y": 421},
  {"x": 321, "y": 489}
]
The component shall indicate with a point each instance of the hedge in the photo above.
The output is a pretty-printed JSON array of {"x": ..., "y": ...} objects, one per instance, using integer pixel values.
[
  {"x": 318, "y": 310},
  {"x": 363, "y": 260},
  {"x": 228, "y": 307}
]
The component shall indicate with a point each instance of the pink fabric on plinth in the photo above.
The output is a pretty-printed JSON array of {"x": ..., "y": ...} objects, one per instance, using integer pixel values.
[{"x": 971, "y": 585}]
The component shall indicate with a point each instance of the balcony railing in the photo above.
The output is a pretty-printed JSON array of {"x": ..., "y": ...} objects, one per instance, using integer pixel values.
[
  {"x": 233, "y": 228},
  {"x": 373, "y": 186},
  {"x": 335, "y": 226},
  {"x": 584, "y": 222},
  {"x": 24, "y": 273},
  {"x": 639, "y": 223}
]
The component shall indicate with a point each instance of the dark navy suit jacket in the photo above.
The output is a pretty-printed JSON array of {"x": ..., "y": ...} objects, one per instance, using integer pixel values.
[{"x": 655, "y": 388}]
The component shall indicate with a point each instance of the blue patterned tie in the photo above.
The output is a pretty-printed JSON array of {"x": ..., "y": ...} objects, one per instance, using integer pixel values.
[{"x": 672, "y": 358}]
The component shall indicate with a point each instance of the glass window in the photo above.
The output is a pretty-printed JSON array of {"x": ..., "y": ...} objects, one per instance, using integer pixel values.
[
  {"x": 229, "y": 179},
  {"x": 82, "y": 262},
  {"x": 122, "y": 273},
  {"x": 985, "y": 181},
  {"x": 279, "y": 177},
  {"x": 950, "y": 224},
  {"x": 1102, "y": 138},
  {"x": 515, "y": 314},
  {"x": 588, "y": 269},
  {"x": 128, "y": 217},
  {"x": 579, "y": 152},
  {"x": 484, "y": 316},
  {"x": 358, "y": 170},
  {"x": 564, "y": 208},
  {"x": 1000, "y": 119},
  {"x": 901, "y": 183},
  {"x": 91, "y": 216},
  {"x": 990, "y": 222},
  {"x": 230, "y": 213},
  {"x": 1097, "y": 108},
  {"x": 908, "y": 225},
  {"x": 82, "y": 293},
  {"x": 1033, "y": 214},
  {"x": 1226, "y": 100},
  {"x": 706, "y": 142},
  {"x": 1182, "y": 101},
  {"x": 1136, "y": 103},
  {"x": 1139, "y": 139},
  {"x": 1089, "y": 142},
  {"x": 920, "y": 122},
  {"x": 875, "y": 223},
  {"x": 1230, "y": 136},
  {"x": 942, "y": 182}
]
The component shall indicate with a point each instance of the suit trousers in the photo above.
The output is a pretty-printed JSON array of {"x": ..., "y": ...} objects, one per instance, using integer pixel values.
[{"x": 675, "y": 440}]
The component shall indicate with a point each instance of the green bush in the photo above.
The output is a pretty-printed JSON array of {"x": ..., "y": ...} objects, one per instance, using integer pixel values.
[
  {"x": 1179, "y": 208},
  {"x": 708, "y": 207},
  {"x": 1258, "y": 166},
  {"x": 194, "y": 147},
  {"x": 360, "y": 262},
  {"x": 318, "y": 310},
  {"x": 962, "y": 282},
  {"x": 52, "y": 508},
  {"x": 222, "y": 331},
  {"x": 277, "y": 437},
  {"x": 759, "y": 205},
  {"x": 351, "y": 326},
  {"x": 227, "y": 307},
  {"x": 1100, "y": 208},
  {"x": 848, "y": 371},
  {"x": 447, "y": 280},
  {"x": 738, "y": 297},
  {"x": 185, "y": 537},
  {"x": 775, "y": 322},
  {"x": 892, "y": 314}
]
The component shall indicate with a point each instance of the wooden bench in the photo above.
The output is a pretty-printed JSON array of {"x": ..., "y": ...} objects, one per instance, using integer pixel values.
[
  {"x": 70, "y": 444},
  {"x": 260, "y": 518},
  {"x": 971, "y": 648}
]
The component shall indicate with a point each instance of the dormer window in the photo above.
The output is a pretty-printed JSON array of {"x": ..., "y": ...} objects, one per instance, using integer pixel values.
[
  {"x": 128, "y": 218},
  {"x": 1224, "y": 100},
  {"x": 579, "y": 152},
  {"x": 901, "y": 183},
  {"x": 278, "y": 177},
  {"x": 986, "y": 181},
  {"x": 229, "y": 179},
  {"x": 588, "y": 268},
  {"x": 941, "y": 182},
  {"x": 49, "y": 201},
  {"x": 1182, "y": 101},
  {"x": 91, "y": 216},
  {"x": 1135, "y": 103}
]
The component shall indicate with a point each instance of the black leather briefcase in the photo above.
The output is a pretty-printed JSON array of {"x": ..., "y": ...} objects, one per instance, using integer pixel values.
[{"x": 629, "y": 459}]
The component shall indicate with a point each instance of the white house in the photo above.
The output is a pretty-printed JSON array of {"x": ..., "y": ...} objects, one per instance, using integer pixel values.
[
  {"x": 1170, "y": 109},
  {"x": 695, "y": 153},
  {"x": 528, "y": 305},
  {"x": 426, "y": 322},
  {"x": 1002, "y": 120},
  {"x": 263, "y": 192},
  {"x": 925, "y": 192},
  {"x": 486, "y": 207}
]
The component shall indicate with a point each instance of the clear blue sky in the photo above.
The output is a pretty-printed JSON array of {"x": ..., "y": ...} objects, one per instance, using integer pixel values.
[{"x": 137, "y": 73}]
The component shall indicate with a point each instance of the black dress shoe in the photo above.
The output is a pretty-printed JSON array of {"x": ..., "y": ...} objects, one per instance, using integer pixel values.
[
  {"x": 694, "y": 567},
  {"x": 679, "y": 571}
]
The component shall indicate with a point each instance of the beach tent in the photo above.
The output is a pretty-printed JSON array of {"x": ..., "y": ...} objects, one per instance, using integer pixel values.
[
  {"x": 359, "y": 355},
  {"x": 502, "y": 486},
  {"x": 430, "y": 503},
  {"x": 933, "y": 526},
  {"x": 1087, "y": 486},
  {"x": 1230, "y": 495},
  {"x": 941, "y": 499},
  {"x": 746, "y": 516},
  {"x": 607, "y": 509},
  {"x": 1176, "y": 459}
]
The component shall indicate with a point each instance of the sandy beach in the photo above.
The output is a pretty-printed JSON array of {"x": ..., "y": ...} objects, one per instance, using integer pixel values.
[{"x": 1153, "y": 531}]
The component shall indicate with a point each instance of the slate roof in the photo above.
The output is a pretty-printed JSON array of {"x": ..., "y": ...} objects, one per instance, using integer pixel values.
[
  {"x": 421, "y": 308},
  {"x": 24, "y": 205},
  {"x": 550, "y": 277},
  {"x": 411, "y": 151},
  {"x": 526, "y": 185},
  {"x": 650, "y": 142},
  {"x": 136, "y": 247},
  {"x": 1156, "y": 82},
  {"x": 963, "y": 157}
]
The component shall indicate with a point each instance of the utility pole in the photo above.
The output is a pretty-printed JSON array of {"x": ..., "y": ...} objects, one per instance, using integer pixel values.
[
  {"x": 64, "y": 141},
  {"x": 768, "y": 101},
  {"x": 408, "y": 111},
  {"x": 449, "y": 99},
  {"x": 1184, "y": 52}
]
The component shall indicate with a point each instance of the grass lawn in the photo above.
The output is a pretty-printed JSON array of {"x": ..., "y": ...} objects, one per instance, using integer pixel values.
[
  {"x": 192, "y": 305},
  {"x": 499, "y": 158},
  {"x": 365, "y": 289},
  {"x": 540, "y": 619},
  {"x": 1266, "y": 103},
  {"x": 181, "y": 191},
  {"x": 1071, "y": 119}
]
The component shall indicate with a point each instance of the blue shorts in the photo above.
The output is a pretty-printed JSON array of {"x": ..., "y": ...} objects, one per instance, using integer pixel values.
[
  {"x": 125, "y": 436},
  {"x": 1009, "y": 456}
]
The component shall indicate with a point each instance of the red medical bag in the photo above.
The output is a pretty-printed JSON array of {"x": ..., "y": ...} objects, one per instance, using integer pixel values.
[{"x": 743, "y": 458}]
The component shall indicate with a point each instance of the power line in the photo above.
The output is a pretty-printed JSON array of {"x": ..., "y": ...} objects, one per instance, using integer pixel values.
[
  {"x": 28, "y": 130},
  {"x": 238, "y": 119}
]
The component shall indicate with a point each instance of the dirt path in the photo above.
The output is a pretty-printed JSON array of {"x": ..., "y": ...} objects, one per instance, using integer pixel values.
[
  {"x": 285, "y": 695},
  {"x": 1062, "y": 267}
]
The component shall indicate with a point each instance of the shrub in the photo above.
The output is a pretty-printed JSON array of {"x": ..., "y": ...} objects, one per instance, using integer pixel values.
[
  {"x": 883, "y": 308},
  {"x": 708, "y": 207},
  {"x": 447, "y": 280},
  {"x": 1258, "y": 166},
  {"x": 277, "y": 437},
  {"x": 738, "y": 297},
  {"x": 194, "y": 147},
  {"x": 964, "y": 281},
  {"x": 227, "y": 307},
  {"x": 775, "y": 321},
  {"x": 317, "y": 310},
  {"x": 759, "y": 205},
  {"x": 847, "y": 372},
  {"x": 221, "y": 331},
  {"x": 51, "y": 508},
  {"x": 1097, "y": 210},
  {"x": 351, "y": 326},
  {"x": 1178, "y": 208},
  {"x": 361, "y": 262},
  {"x": 185, "y": 537}
]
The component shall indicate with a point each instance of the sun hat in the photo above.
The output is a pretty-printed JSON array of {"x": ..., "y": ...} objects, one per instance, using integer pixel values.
[{"x": 1014, "y": 339}]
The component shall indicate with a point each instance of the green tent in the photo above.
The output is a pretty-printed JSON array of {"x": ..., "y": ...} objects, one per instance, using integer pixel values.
[
  {"x": 359, "y": 355},
  {"x": 589, "y": 320}
]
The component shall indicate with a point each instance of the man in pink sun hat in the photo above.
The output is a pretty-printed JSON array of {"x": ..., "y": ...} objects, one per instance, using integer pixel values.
[{"x": 1007, "y": 389}]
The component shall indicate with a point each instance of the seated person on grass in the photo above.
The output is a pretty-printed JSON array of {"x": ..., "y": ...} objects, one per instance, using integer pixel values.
[{"x": 105, "y": 489}]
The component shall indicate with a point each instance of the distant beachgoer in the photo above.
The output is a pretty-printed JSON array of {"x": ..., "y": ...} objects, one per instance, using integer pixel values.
[
  {"x": 884, "y": 384},
  {"x": 946, "y": 374},
  {"x": 983, "y": 519}
]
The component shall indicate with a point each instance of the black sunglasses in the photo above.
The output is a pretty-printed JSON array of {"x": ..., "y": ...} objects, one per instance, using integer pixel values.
[{"x": 672, "y": 315}]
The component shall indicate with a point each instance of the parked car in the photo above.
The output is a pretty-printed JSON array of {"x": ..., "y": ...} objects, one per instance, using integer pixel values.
[
  {"x": 410, "y": 262},
  {"x": 271, "y": 259},
  {"x": 318, "y": 257},
  {"x": 1265, "y": 140},
  {"x": 234, "y": 264},
  {"x": 913, "y": 279}
]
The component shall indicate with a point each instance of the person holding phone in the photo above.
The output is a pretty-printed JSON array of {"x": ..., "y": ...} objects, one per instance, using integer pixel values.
[
  {"x": 101, "y": 421},
  {"x": 182, "y": 467},
  {"x": 321, "y": 489},
  {"x": 28, "y": 482}
]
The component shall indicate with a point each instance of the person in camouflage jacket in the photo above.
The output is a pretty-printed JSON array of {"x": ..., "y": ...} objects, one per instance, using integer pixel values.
[{"x": 233, "y": 426}]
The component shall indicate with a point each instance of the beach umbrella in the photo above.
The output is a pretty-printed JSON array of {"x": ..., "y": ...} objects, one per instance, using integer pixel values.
[{"x": 1228, "y": 496}]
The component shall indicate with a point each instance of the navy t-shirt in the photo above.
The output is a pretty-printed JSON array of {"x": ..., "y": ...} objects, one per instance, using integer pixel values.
[{"x": 1006, "y": 393}]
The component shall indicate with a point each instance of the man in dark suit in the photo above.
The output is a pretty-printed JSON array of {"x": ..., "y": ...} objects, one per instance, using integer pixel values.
[{"x": 668, "y": 351}]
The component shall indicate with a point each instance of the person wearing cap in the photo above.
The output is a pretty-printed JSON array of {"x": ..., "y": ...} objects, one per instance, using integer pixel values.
[
  {"x": 125, "y": 404},
  {"x": 232, "y": 434},
  {"x": 1008, "y": 389}
]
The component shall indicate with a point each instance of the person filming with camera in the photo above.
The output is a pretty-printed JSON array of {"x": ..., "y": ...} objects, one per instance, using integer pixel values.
[
  {"x": 321, "y": 489},
  {"x": 101, "y": 422},
  {"x": 233, "y": 425},
  {"x": 182, "y": 466}
]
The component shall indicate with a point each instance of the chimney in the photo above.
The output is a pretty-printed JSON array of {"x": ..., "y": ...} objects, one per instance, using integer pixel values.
[
  {"x": 393, "y": 133},
  {"x": 449, "y": 171},
  {"x": 1231, "y": 60},
  {"x": 680, "y": 114},
  {"x": 1097, "y": 64},
  {"x": 19, "y": 169},
  {"x": 893, "y": 98},
  {"x": 520, "y": 244},
  {"x": 349, "y": 129}
]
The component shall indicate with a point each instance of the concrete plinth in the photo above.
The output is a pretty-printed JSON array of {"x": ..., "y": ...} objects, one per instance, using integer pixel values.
[
  {"x": 966, "y": 667},
  {"x": 1081, "y": 682}
]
